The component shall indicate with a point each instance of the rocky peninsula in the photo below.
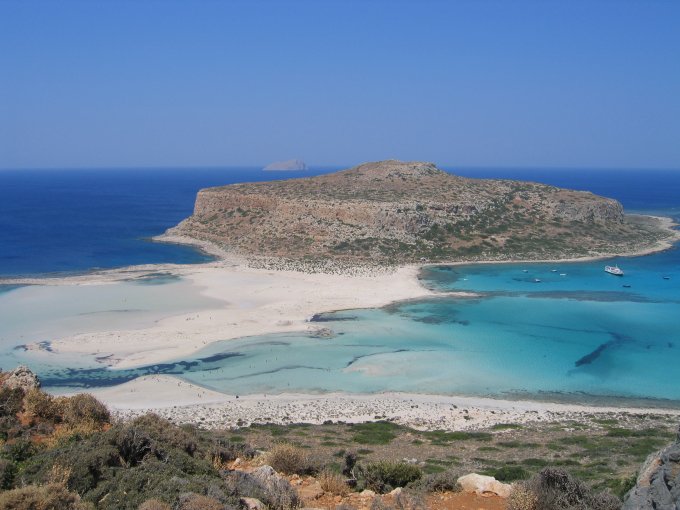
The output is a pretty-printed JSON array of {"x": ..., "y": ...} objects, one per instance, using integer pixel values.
[{"x": 394, "y": 213}]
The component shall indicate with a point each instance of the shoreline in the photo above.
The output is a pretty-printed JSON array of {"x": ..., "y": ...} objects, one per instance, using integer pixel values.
[
  {"x": 273, "y": 301},
  {"x": 225, "y": 258},
  {"x": 184, "y": 402}
]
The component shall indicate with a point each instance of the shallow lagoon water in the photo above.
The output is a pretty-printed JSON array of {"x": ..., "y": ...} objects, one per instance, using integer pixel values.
[
  {"x": 37, "y": 313},
  {"x": 579, "y": 337}
]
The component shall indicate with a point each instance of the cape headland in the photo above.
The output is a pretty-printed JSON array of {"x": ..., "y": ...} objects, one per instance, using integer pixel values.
[{"x": 394, "y": 212}]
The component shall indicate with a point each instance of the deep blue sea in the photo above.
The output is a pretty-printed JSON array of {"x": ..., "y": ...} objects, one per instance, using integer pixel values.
[
  {"x": 579, "y": 335},
  {"x": 77, "y": 220},
  {"x": 70, "y": 221}
]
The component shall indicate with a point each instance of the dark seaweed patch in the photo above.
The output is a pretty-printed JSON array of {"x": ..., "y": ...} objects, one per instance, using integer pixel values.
[
  {"x": 357, "y": 358},
  {"x": 592, "y": 356},
  {"x": 158, "y": 278},
  {"x": 220, "y": 356},
  {"x": 320, "y": 317}
]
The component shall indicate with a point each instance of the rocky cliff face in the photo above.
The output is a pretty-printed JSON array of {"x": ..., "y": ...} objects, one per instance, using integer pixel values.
[
  {"x": 658, "y": 484},
  {"x": 394, "y": 211}
]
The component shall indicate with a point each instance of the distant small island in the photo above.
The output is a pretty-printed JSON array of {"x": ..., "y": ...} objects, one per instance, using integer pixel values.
[{"x": 290, "y": 165}]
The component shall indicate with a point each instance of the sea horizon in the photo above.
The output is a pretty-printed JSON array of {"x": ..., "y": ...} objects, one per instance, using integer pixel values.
[{"x": 74, "y": 221}]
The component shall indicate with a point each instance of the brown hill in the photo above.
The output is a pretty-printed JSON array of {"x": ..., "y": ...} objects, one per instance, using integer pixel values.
[{"x": 395, "y": 212}]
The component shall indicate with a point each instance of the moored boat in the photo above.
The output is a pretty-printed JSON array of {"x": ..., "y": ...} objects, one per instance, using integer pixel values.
[{"x": 613, "y": 270}]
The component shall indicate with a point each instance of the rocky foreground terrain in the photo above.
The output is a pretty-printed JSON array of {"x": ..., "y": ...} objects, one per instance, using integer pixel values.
[
  {"x": 393, "y": 212},
  {"x": 69, "y": 453}
]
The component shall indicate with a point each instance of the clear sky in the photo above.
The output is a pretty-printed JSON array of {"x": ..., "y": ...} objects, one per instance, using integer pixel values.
[{"x": 107, "y": 83}]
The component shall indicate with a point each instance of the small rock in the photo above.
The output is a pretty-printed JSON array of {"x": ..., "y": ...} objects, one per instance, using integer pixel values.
[
  {"x": 253, "y": 504},
  {"x": 313, "y": 491},
  {"x": 482, "y": 484},
  {"x": 367, "y": 493},
  {"x": 396, "y": 492}
]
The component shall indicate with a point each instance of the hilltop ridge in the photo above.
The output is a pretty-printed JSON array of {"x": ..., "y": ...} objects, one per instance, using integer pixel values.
[{"x": 397, "y": 212}]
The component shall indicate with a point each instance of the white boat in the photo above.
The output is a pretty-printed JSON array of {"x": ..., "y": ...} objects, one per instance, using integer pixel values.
[{"x": 613, "y": 270}]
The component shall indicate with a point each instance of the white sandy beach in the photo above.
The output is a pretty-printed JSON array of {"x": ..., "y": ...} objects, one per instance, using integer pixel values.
[{"x": 251, "y": 301}]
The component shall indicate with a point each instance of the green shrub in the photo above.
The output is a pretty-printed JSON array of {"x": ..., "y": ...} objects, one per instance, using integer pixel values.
[
  {"x": 165, "y": 433},
  {"x": 11, "y": 401},
  {"x": 384, "y": 476},
  {"x": 224, "y": 450},
  {"x": 508, "y": 473},
  {"x": 446, "y": 481},
  {"x": 18, "y": 450},
  {"x": 379, "y": 432},
  {"x": 7, "y": 472}
]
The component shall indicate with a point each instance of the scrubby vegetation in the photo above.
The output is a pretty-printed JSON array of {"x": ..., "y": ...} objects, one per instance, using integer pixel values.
[
  {"x": 68, "y": 453},
  {"x": 383, "y": 476},
  {"x": 556, "y": 489}
]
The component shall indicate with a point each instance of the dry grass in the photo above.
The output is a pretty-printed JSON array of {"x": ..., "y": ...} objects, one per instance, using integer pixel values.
[
  {"x": 290, "y": 459},
  {"x": 333, "y": 483},
  {"x": 154, "y": 504},
  {"x": 63, "y": 433},
  {"x": 59, "y": 475}
]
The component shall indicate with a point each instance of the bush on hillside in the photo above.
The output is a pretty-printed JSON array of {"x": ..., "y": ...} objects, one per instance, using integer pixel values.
[
  {"x": 333, "y": 482},
  {"x": 289, "y": 459},
  {"x": 198, "y": 502},
  {"x": 223, "y": 451},
  {"x": 41, "y": 405},
  {"x": 446, "y": 481},
  {"x": 556, "y": 489},
  {"x": 47, "y": 497},
  {"x": 11, "y": 401},
  {"x": 131, "y": 463},
  {"x": 383, "y": 476},
  {"x": 7, "y": 472},
  {"x": 84, "y": 409},
  {"x": 276, "y": 493},
  {"x": 18, "y": 450},
  {"x": 154, "y": 504}
]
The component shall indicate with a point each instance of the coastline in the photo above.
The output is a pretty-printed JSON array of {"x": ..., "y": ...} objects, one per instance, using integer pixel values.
[
  {"x": 267, "y": 302},
  {"x": 183, "y": 402},
  {"x": 276, "y": 300}
]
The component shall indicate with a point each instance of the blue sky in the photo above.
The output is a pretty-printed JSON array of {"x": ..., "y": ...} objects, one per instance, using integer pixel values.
[{"x": 227, "y": 83}]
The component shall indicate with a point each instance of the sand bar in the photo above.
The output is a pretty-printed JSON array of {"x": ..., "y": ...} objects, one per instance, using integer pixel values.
[{"x": 250, "y": 301}]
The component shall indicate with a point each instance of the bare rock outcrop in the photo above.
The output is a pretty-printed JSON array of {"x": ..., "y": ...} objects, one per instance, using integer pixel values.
[
  {"x": 658, "y": 484},
  {"x": 21, "y": 377},
  {"x": 396, "y": 212}
]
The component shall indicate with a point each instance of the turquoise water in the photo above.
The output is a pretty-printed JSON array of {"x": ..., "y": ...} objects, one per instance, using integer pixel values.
[
  {"x": 40, "y": 314},
  {"x": 578, "y": 335}
]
